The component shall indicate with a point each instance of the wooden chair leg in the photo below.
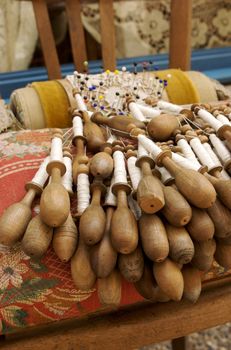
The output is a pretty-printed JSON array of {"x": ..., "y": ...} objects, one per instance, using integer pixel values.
[{"x": 179, "y": 343}]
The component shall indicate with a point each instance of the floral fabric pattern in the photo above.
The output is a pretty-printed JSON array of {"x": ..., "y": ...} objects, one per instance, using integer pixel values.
[
  {"x": 42, "y": 291},
  {"x": 142, "y": 27}
]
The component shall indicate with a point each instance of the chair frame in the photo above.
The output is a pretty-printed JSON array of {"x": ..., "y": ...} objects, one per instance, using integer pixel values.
[{"x": 180, "y": 34}]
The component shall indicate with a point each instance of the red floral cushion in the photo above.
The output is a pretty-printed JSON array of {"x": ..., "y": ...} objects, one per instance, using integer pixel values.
[{"x": 38, "y": 292}]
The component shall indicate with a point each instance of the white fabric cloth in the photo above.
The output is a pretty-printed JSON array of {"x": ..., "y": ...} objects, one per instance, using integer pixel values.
[{"x": 18, "y": 34}]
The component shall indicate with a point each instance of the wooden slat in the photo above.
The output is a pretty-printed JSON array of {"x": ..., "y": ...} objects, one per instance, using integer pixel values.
[
  {"x": 180, "y": 34},
  {"x": 76, "y": 31},
  {"x": 47, "y": 39},
  {"x": 134, "y": 327},
  {"x": 107, "y": 34}
]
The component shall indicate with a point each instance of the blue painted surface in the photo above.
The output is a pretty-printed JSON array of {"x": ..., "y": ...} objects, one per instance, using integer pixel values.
[{"x": 216, "y": 63}]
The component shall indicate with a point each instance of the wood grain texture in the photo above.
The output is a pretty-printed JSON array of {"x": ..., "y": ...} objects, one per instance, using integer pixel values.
[
  {"x": 180, "y": 34},
  {"x": 78, "y": 44},
  {"x": 135, "y": 326},
  {"x": 107, "y": 34},
  {"x": 47, "y": 39}
]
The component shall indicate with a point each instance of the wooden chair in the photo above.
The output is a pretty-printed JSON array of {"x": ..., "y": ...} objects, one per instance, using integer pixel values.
[{"x": 180, "y": 34}]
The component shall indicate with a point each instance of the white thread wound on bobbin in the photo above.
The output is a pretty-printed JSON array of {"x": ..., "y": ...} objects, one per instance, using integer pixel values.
[
  {"x": 212, "y": 154},
  {"x": 136, "y": 112},
  {"x": 110, "y": 197},
  {"x": 80, "y": 103},
  {"x": 142, "y": 152},
  {"x": 67, "y": 177},
  {"x": 184, "y": 162},
  {"x": 111, "y": 138},
  {"x": 41, "y": 175},
  {"x": 134, "y": 206},
  {"x": 134, "y": 172},
  {"x": 149, "y": 112},
  {"x": 224, "y": 120},
  {"x": 77, "y": 126},
  {"x": 169, "y": 106},
  {"x": 201, "y": 153},
  {"x": 210, "y": 119},
  {"x": 149, "y": 145},
  {"x": 83, "y": 193},
  {"x": 165, "y": 174},
  {"x": 187, "y": 151},
  {"x": 221, "y": 150},
  {"x": 120, "y": 173},
  {"x": 224, "y": 175},
  {"x": 56, "y": 153}
]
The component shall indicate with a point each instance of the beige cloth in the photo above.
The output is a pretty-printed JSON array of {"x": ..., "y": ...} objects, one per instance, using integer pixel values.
[{"x": 18, "y": 34}]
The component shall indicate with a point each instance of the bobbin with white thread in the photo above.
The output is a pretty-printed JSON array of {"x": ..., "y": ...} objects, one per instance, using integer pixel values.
[
  {"x": 217, "y": 164},
  {"x": 186, "y": 149},
  {"x": 110, "y": 198},
  {"x": 40, "y": 177},
  {"x": 135, "y": 111},
  {"x": 202, "y": 154},
  {"x": 56, "y": 153},
  {"x": 79, "y": 100},
  {"x": 166, "y": 177},
  {"x": 156, "y": 152},
  {"x": 83, "y": 187},
  {"x": 221, "y": 150},
  {"x": 133, "y": 170},
  {"x": 184, "y": 162},
  {"x": 169, "y": 106},
  {"x": 67, "y": 177},
  {"x": 120, "y": 173},
  {"x": 149, "y": 112}
]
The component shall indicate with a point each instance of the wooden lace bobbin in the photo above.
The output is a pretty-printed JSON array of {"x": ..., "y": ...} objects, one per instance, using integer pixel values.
[
  {"x": 83, "y": 186},
  {"x": 223, "y": 174},
  {"x": 135, "y": 111},
  {"x": 14, "y": 220},
  {"x": 109, "y": 289},
  {"x": 93, "y": 133},
  {"x": 65, "y": 237},
  {"x": 181, "y": 248},
  {"x": 37, "y": 238},
  {"x": 133, "y": 171},
  {"x": 153, "y": 236},
  {"x": 131, "y": 265},
  {"x": 103, "y": 255},
  {"x": 192, "y": 283},
  {"x": 188, "y": 164},
  {"x": 101, "y": 164},
  {"x": 204, "y": 253},
  {"x": 189, "y": 182},
  {"x": 78, "y": 141},
  {"x": 169, "y": 278},
  {"x": 162, "y": 127},
  {"x": 55, "y": 202},
  {"x": 117, "y": 123},
  {"x": 148, "y": 288},
  {"x": 150, "y": 195},
  {"x": 208, "y": 159},
  {"x": 81, "y": 271},
  {"x": 223, "y": 189},
  {"x": 200, "y": 227},
  {"x": 221, "y": 117},
  {"x": 187, "y": 150},
  {"x": 221, "y": 150},
  {"x": 124, "y": 231},
  {"x": 221, "y": 217},
  {"x": 93, "y": 220},
  {"x": 223, "y": 255},
  {"x": 223, "y": 131},
  {"x": 176, "y": 210}
]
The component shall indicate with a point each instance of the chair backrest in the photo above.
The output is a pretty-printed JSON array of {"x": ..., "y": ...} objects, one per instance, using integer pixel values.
[{"x": 180, "y": 34}]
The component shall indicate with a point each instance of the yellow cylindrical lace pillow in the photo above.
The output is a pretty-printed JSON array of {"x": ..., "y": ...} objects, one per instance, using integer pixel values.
[
  {"x": 180, "y": 88},
  {"x": 55, "y": 103}
]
